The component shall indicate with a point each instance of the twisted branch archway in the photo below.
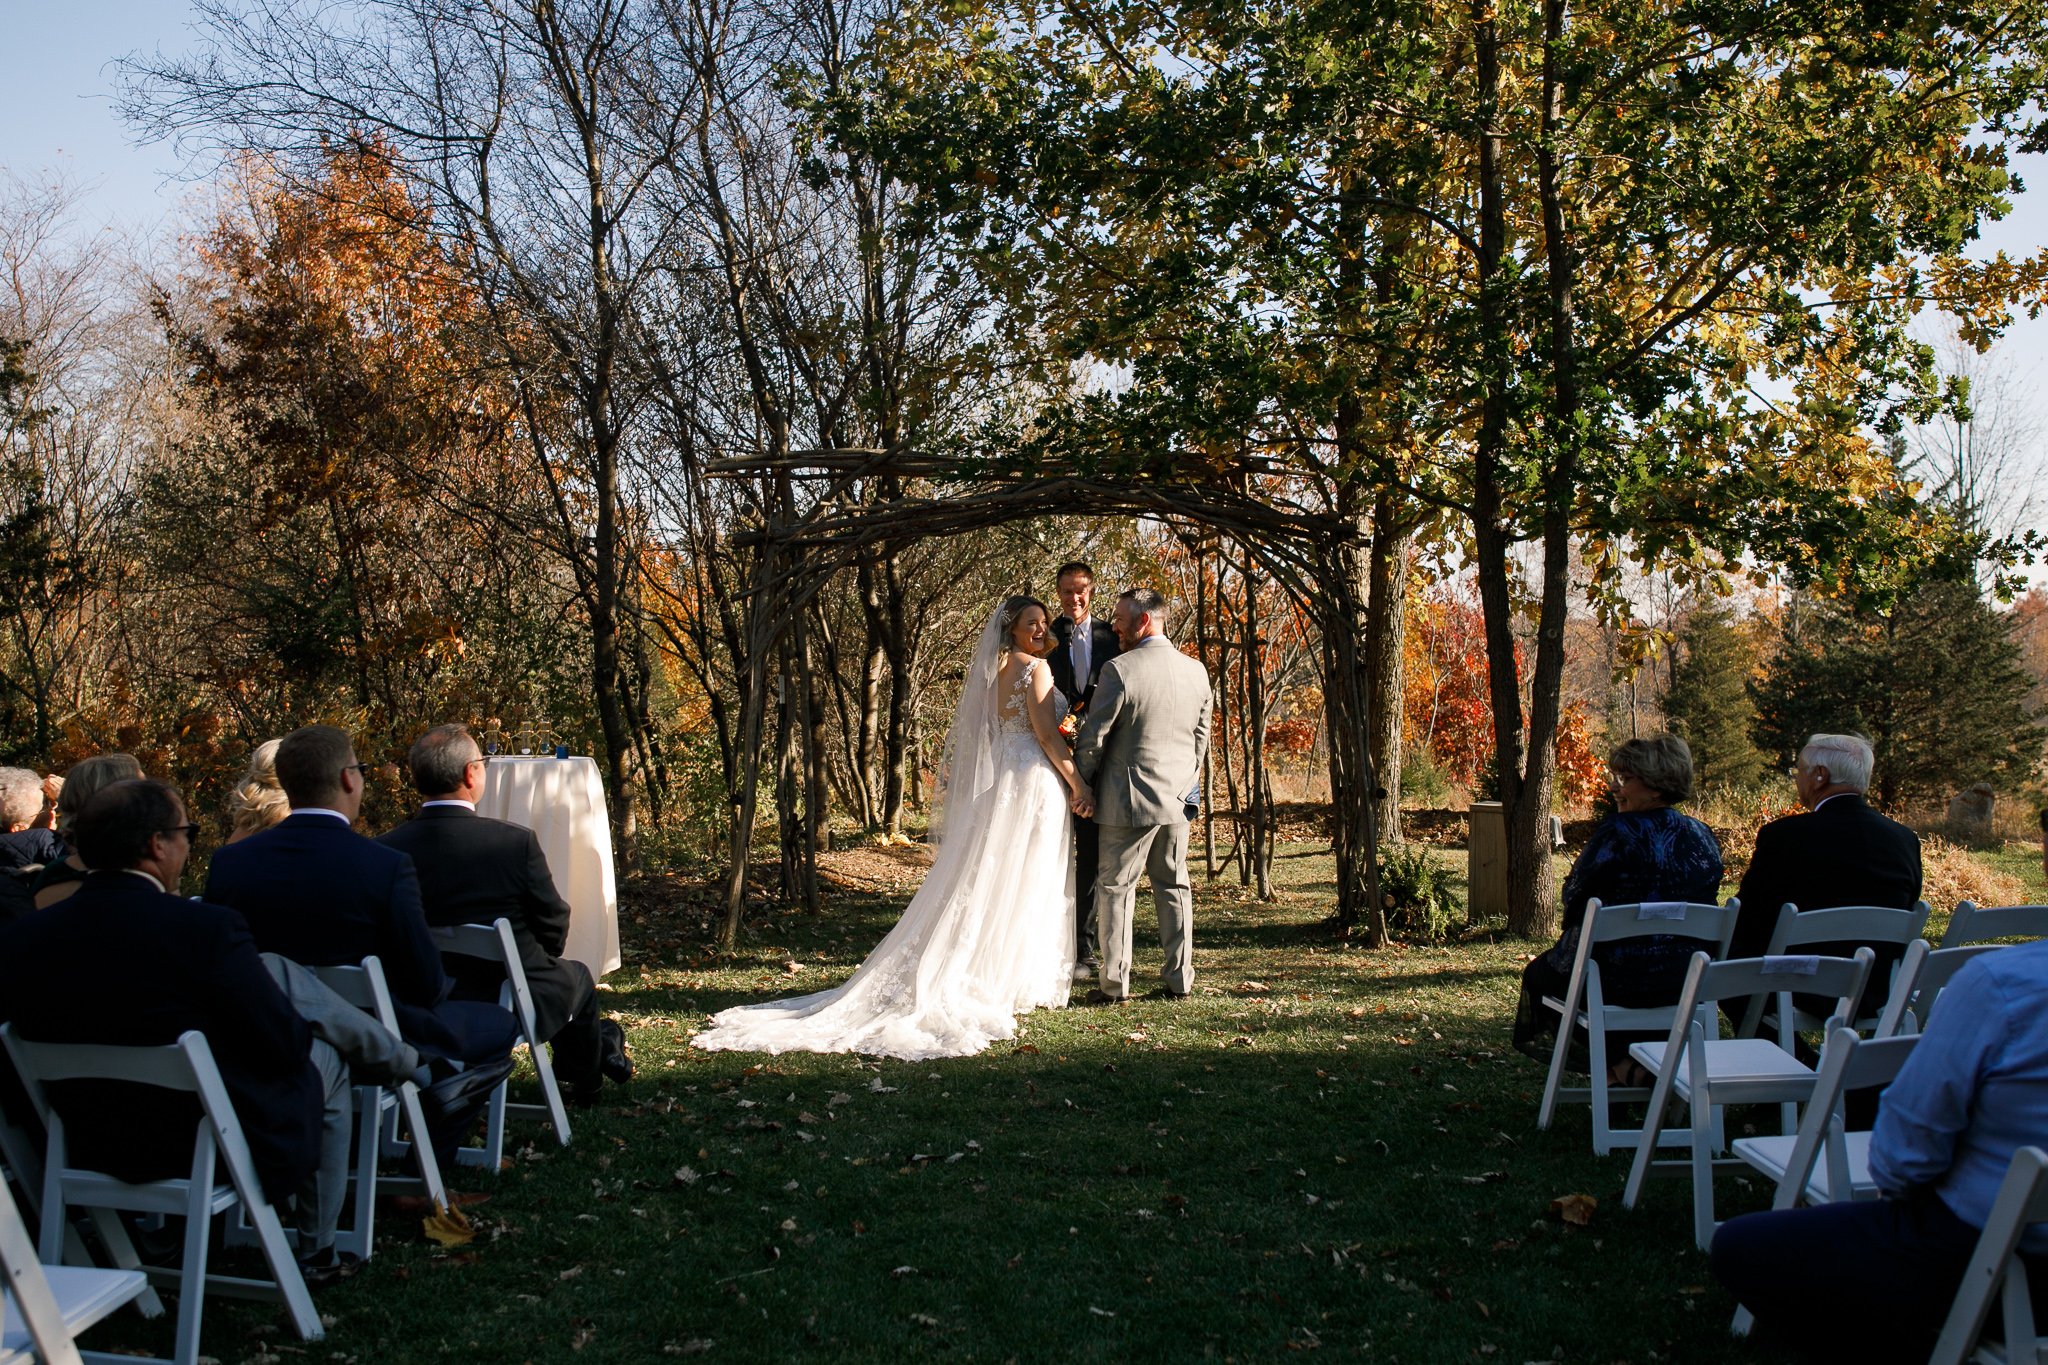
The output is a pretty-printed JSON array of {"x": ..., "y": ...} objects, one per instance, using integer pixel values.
[{"x": 1310, "y": 552}]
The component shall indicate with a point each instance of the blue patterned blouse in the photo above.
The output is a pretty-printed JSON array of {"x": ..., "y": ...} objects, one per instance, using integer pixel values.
[{"x": 1650, "y": 855}]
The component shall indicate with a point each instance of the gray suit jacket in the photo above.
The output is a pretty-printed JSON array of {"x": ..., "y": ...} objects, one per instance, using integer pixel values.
[{"x": 1141, "y": 746}]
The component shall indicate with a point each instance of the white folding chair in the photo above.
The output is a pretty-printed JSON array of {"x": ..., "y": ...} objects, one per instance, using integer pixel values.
[
  {"x": 1923, "y": 973},
  {"x": 1994, "y": 1266},
  {"x": 1708, "y": 1074},
  {"x": 1848, "y": 1062},
  {"x": 495, "y": 943},
  {"x": 364, "y": 988},
  {"x": 186, "y": 1065},
  {"x": 43, "y": 1307},
  {"x": 1858, "y": 924},
  {"x": 1584, "y": 1006},
  {"x": 1973, "y": 923}
]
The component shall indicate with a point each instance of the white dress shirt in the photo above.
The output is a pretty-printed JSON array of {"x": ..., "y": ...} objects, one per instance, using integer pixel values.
[{"x": 1080, "y": 645}]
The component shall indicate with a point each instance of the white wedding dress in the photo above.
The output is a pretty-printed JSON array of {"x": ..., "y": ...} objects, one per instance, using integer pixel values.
[{"x": 989, "y": 934}]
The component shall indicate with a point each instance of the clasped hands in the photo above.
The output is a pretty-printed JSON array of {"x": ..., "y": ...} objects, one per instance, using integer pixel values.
[{"x": 1082, "y": 800}]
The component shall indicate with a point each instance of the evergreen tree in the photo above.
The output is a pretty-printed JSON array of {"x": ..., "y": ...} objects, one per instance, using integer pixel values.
[
  {"x": 1934, "y": 680},
  {"x": 1708, "y": 705}
]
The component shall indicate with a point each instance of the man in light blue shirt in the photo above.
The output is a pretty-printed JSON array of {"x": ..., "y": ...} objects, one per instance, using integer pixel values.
[{"x": 1873, "y": 1280}]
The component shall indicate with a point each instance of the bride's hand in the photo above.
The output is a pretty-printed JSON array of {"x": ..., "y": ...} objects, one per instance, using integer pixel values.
[{"x": 1083, "y": 802}]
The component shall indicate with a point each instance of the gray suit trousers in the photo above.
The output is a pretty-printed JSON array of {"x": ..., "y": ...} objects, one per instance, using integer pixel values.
[{"x": 1160, "y": 852}]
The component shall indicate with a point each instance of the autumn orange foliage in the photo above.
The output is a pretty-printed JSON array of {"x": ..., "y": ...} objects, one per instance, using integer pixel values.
[{"x": 1448, "y": 713}]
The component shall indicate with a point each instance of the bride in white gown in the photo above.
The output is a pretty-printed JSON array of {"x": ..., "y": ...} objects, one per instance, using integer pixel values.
[{"x": 990, "y": 933}]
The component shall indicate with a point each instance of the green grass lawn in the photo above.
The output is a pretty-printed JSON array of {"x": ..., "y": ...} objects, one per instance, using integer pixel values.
[{"x": 1322, "y": 1149}]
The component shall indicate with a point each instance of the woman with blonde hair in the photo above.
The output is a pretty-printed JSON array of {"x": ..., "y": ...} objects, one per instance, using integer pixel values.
[
  {"x": 257, "y": 801},
  {"x": 86, "y": 779}
]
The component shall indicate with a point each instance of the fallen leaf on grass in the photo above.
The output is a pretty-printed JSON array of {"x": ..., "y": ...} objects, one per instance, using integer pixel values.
[
  {"x": 1026, "y": 1049},
  {"x": 924, "y": 1319},
  {"x": 1100, "y": 1312},
  {"x": 878, "y": 1088},
  {"x": 695, "y": 1346},
  {"x": 447, "y": 1227},
  {"x": 1576, "y": 1209},
  {"x": 685, "y": 1176},
  {"x": 902, "y": 1270},
  {"x": 585, "y": 1334},
  {"x": 571, "y": 1273}
]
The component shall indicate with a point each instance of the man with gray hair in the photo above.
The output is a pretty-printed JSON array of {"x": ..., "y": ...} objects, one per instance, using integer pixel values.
[
  {"x": 21, "y": 801},
  {"x": 1840, "y": 852},
  {"x": 1141, "y": 747},
  {"x": 474, "y": 869}
]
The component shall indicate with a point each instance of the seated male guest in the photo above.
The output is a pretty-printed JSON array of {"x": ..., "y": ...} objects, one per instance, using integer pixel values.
[
  {"x": 315, "y": 891},
  {"x": 1872, "y": 1280},
  {"x": 124, "y": 961},
  {"x": 22, "y": 842},
  {"x": 472, "y": 870},
  {"x": 1840, "y": 852}
]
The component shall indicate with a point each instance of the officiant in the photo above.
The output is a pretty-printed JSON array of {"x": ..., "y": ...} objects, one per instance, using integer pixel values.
[{"x": 1082, "y": 645}]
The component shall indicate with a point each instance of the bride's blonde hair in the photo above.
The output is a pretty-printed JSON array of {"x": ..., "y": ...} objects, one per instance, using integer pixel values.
[
  {"x": 257, "y": 801},
  {"x": 1013, "y": 611}
]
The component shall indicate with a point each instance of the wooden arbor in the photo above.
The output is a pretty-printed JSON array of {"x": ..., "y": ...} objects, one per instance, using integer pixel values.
[{"x": 822, "y": 509}]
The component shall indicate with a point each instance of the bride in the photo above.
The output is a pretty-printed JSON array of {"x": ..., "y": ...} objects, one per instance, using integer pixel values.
[{"x": 990, "y": 933}]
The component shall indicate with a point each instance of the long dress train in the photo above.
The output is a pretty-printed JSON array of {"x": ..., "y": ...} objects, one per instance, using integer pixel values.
[{"x": 989, "y": 934}]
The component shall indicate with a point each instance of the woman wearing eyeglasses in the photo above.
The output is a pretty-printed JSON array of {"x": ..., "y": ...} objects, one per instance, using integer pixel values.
[{"x": 1646, "y": 851}]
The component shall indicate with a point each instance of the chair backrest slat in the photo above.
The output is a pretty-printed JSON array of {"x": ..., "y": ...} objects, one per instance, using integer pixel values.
[
  {"x": 1973, "y": 923},
  {"x": 1682, "y": 919},
  {"x": 1849, "y": 924},
  {"x": 1806, "y": 975}
]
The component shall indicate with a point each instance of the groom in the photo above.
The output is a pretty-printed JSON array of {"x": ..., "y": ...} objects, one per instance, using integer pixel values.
[
  {"x": 1082, "y": 645},
  {"x": 1141, "y": 749}
]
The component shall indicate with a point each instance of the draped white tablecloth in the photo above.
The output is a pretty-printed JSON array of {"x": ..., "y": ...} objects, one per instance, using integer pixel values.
[{"x": 562, "y": 801}]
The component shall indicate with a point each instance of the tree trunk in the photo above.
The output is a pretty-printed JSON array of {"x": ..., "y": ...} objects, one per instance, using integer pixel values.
[
  {"x": 1354, "y": 835},
  {"x": 896, "y": 644},
  {"x": 1258, "y": 780},
  {"x": 874, "y": 679},
  {"x": 1385, "y": 678}
]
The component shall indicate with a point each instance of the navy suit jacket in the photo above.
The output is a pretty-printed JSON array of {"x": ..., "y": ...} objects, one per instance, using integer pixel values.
[
  {"x": 315, "y": 891},
  {"x": 473, "y": 869},
  {"x": 121, "y": 962}
]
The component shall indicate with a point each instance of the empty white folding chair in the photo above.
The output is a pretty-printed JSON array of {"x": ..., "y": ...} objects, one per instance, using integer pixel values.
[
  {"x": 364, "y": 987},
  {"x": 186, "y": 1065},
  {"x": 1848, "y": 1062},
  {"x": 1994, "y": 1266},
  {"x": 494, "y": 942},
  {"x": 1923, "y": 974},
  {"x": 1973, "y": 923},
  {"x": 1708, "y": 1073},
  {"x": 1797, "y": 931},
  {"x": 1584, "y": 1006},
  {"x": 43, "y": 1307}
]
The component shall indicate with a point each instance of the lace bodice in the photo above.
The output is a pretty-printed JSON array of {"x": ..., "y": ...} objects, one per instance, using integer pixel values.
[{"x": 1017, "y": 705}]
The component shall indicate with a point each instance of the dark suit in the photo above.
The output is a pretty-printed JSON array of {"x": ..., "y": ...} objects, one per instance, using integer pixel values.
[
  {"x": 121, "y": 962},
  {"x": 315, "y": 891},
  {"x": 473, "y": 869},
  {"x": 1844, "y": 853},
  {"x": 1102, "y": 647}
]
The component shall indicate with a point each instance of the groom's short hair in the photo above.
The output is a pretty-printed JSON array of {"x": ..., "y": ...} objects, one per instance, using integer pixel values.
[
  {"x": 1074, "y": 566},
  {"x": 1147, "y": 602}
]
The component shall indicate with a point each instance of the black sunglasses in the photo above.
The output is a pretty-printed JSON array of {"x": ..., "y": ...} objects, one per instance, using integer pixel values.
[
  {"x": 190, "y": 832},
  {"x": 360, "y": 768}
]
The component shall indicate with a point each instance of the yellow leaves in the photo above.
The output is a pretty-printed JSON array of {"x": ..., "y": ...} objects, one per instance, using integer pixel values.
[{"x": 447, "y": 1227}]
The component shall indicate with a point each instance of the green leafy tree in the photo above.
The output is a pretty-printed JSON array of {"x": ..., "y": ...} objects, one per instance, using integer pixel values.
[
  {"x": 1933, "y": 679},
  {"x": 1708, "y": 704},
  {"x": 1523, "y": 263}
]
